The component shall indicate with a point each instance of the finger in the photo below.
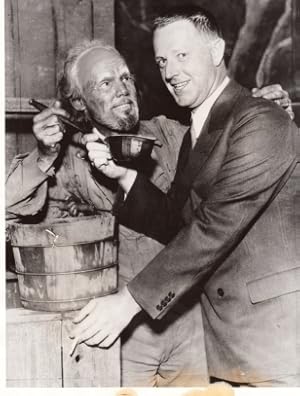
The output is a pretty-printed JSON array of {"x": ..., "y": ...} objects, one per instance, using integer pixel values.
[
  {"x": 259, "y": 92},
  {"x": 51, "y": 120},
  {"x": 290, "y": 112},
  {"x": 97, "y": 147},
  {"x": 79, "y": 328},
  {"x": 99, "y": 134},
  {"x": 283, "y": 102},
  {"x": 77, "y": 138},
  {"x": 73, "y": 210},
  {"x": 89, "y": 137},
  {"x": 99, "y": 155},
  {"x": 57, "y": 104},
  {"x": 48, "y": 127},
  {"x": 277, "y": 95},
  {"x": 87, "y": 333},
  {"x": 48, "y": 130},
  {"x": 270, "y": 92},
  {"x": 73, "y": 347},
  {"x": 43, "y": 115},
  {"x": 100, "y": 163},
  {"x": 108, "y": 341},
  {"x": 85, "y": 311}
]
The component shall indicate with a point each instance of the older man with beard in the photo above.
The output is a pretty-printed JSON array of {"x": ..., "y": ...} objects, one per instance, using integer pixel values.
[{"x": 98, "y": 88}]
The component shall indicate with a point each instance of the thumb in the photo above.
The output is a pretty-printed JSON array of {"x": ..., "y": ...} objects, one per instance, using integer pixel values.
[
  {"x": 99, "y": 134},
  {"x": 57, "y": 104}
]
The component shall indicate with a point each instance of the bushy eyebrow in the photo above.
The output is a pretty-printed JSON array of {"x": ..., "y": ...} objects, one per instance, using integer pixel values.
[
  {"x": 127, "y": 73},
  {"x": 92, "y": 83}
]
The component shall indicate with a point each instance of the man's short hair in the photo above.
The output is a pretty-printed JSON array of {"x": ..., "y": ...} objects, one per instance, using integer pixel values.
[{"x": 203, "y": 20}]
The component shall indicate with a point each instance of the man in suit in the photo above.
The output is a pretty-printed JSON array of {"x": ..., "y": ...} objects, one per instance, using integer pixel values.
[{"x": 229, "y": 219}]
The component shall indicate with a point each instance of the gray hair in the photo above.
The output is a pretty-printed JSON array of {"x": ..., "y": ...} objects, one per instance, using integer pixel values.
[
  {"x": 203, "y": 21},
  {"x": 68, "y": 86}
]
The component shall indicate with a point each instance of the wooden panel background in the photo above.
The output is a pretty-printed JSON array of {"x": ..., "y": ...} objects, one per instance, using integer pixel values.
[{"x": 37, "y": 35}]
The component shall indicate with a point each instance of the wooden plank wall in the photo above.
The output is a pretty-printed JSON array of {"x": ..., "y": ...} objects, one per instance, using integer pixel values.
[{"x": 37, "y": 35}]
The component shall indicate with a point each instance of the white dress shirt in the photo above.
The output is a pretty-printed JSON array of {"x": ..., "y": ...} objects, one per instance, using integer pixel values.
[{"x": 200, "y": 113}]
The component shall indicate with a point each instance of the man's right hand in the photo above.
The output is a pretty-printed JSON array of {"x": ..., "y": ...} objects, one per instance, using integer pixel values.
[
  {"x": 49, "y": 130},
  {"x": 101, "y": 158}
]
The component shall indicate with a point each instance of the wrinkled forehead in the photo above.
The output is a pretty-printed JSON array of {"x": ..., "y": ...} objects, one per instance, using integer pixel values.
[{"x": 98, "y": 62}]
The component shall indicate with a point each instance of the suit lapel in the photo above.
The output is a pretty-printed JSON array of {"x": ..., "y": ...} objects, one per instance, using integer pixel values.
[{"x": 196, "y": 158}]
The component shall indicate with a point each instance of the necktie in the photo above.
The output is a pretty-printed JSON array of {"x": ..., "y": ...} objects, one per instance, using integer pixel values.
[{"x": 193, "y": 133}]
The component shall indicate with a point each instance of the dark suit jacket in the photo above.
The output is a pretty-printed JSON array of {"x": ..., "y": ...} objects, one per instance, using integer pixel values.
[{"x": 230, "y": 223}]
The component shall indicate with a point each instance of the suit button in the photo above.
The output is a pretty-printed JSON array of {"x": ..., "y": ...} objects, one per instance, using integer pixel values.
[
  {"x": 164, "y": 303},
  {"x": 159, "y": 307},
  {"x": 220, "y": 292}
]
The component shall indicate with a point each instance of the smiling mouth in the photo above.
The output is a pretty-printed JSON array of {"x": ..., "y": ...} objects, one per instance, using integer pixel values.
[
  {"x": 123, "y": 106},
  {"x": 178, "y": 87}
]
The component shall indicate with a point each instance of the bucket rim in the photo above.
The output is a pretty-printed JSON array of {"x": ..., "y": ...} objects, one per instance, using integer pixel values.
[{"x": 63, "y": 220}]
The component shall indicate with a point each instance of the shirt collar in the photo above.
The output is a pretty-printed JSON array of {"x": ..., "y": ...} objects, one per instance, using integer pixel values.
[{"x": 200, "y": 113}]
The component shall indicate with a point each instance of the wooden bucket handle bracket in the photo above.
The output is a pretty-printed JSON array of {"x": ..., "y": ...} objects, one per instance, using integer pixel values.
[{"x": 56, "y": 236}]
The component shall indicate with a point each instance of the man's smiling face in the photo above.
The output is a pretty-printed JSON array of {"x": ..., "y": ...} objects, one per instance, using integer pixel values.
[
  {"x": 108, "y": 89},
  {"x": 184, "y": 57}
]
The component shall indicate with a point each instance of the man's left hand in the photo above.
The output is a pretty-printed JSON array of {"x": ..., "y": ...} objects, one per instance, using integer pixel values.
[
  {"x": 103, "y": 319},
  {"x": 276, "y": 93}
]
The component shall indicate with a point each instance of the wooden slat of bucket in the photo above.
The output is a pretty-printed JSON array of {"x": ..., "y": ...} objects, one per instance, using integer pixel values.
[
  {"x": 58, "y": 278},
  {"x": 69, "y": 231},
  {"x": 67, "y": 281},
  {"x": 66, "y": 292},
  {"x": 80, "y": 286},
  {"x": 64, "y": 258}
]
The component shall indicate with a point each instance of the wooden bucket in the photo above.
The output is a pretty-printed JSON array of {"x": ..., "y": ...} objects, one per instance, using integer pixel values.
[{"x": 62, "y": 265}]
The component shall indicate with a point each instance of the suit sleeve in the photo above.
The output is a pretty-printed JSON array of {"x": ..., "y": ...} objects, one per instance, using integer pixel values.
[
  {"x": 26, "y": 187},
  {"x": 259, "y": 159}
]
